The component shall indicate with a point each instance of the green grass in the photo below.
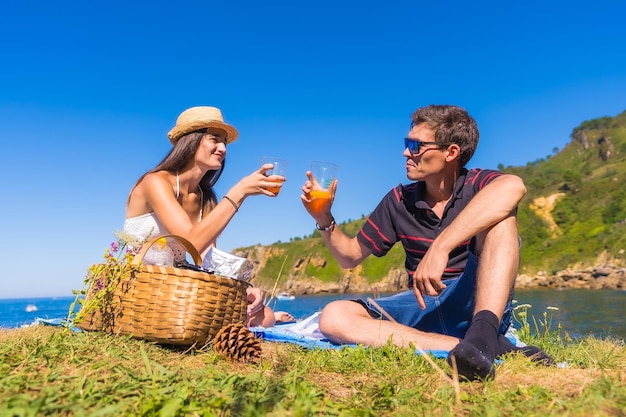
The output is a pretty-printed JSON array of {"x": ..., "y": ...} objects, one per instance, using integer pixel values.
[{"x": 52, "y": 372}]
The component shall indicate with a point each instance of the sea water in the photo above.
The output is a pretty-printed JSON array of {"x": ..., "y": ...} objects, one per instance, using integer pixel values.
[
  {"x": 579, "y": 312},
  {"x": 18, "y": 312}
]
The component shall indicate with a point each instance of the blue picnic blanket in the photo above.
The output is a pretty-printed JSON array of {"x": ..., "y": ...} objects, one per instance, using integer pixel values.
[
  {"x": 306, "y": 333},
  {"x": 303, "y": 333}
]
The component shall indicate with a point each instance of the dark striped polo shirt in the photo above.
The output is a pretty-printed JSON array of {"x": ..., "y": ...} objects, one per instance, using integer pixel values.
[{"x": 403, "y": 215}]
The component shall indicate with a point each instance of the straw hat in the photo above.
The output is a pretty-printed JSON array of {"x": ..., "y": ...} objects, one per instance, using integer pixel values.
[{"x": 201, "y": 117}]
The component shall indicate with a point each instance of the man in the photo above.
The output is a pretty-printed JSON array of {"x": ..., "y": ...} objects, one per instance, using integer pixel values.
[{"x": 459, "y": 232}]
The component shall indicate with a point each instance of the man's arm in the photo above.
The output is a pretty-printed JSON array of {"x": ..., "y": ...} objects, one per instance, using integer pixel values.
[
  {"x": 348, "y": 251},
  {"x": 492, "y": 204}
]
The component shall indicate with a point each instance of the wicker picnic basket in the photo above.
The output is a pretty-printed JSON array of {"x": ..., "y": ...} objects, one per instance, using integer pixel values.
[{"x": 168, "y": 305}]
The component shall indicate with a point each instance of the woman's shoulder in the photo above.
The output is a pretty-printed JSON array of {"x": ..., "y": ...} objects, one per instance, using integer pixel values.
[
  {"x": 158, "y": 177},
  {"x": 149, "y": 188},
  {"x": 154, "y": 183}
]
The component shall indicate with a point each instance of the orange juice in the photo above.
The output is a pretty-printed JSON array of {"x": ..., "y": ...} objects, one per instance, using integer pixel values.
[
  {"x": 319, "y": 198},
  {"x": 274, "y": 190}
]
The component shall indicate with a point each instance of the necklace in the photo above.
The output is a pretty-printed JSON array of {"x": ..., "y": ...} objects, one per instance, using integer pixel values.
[{"x": 201, "y": 195}]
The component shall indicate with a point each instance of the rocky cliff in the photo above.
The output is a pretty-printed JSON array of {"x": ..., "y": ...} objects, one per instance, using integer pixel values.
[
  {"x": 294, "y": 279},
  {"x": 351, "y": 281}
]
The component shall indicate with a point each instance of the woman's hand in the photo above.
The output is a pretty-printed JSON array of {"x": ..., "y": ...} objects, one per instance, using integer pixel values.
[
  {"x": 257, "y": 183},
  {"x": 255, "y": 299}
]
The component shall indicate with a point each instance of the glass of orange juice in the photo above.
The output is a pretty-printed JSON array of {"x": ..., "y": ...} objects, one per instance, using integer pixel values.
[
  {"x": 280, "y": 168},
  {"x": 324, "y": 173}
]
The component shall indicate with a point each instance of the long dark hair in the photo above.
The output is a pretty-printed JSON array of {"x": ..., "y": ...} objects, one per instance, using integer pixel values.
[{"x": 179, "y": 156}]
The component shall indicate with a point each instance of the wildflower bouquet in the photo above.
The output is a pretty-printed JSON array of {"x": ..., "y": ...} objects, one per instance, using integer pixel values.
[
  {"x": 176, "y": 305},
  {"x": 96, "y": 296}
]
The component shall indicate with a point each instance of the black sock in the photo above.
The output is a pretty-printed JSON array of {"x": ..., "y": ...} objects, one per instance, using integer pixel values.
[
  {"x": 475, "y": 355},
  {"x": 533, "y": 352},
  {"x": 483, "y": 333}
]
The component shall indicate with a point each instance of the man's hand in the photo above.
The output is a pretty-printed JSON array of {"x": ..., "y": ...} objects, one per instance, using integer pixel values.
[
  {"x": 427, "y": 276},
  {"x": 319, "y": 209}
]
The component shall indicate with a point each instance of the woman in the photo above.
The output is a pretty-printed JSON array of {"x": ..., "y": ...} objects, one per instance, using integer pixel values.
[{"x": 177, "y": 196}]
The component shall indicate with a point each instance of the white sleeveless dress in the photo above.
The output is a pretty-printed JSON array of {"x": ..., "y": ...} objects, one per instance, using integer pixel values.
[{"x": 148, "y": 225}]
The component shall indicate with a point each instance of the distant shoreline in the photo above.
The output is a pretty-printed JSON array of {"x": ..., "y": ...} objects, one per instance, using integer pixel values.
[{"x": 606, "y": 276}]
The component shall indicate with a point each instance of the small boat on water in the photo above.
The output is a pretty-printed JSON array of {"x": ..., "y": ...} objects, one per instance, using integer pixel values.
[
  {"x": 285, "y": 296},
  {"x": 30, "y": 308}
]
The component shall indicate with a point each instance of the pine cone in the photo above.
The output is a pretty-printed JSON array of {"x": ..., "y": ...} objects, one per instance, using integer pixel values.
[{"x": 237, "y": 342}]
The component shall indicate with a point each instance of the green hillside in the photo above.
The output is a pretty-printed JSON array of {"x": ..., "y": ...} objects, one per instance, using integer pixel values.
[
  {"x": 574, "y": 214},
  {"x": 587, "y": 180}
]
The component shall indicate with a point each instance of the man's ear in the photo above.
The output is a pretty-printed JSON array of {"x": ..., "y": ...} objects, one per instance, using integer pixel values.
[{"x": 454, "y": 152}]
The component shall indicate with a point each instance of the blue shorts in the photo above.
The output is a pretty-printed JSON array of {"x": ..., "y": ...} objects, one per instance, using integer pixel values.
[{"x": 449, "y": 313}]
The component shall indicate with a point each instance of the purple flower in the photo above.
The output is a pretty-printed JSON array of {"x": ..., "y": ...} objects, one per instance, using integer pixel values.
[
  {"x": 133, "y": 250},
  {"x": 115, "y": 246}
]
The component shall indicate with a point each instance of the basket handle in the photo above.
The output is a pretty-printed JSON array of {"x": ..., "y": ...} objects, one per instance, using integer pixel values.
[{"x": 197, "y": 259}]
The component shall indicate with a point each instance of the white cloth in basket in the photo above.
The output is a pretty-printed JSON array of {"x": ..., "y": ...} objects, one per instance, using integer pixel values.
[{"x": 227, "y": 265}]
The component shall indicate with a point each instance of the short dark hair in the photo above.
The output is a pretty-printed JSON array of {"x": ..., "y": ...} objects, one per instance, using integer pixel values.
[{"x": 451, "y": 124}]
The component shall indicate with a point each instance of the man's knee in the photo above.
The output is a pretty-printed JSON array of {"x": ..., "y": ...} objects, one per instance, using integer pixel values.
[
  {"x": 329, "y": 317},
  {"x": 337, "y": 315}
]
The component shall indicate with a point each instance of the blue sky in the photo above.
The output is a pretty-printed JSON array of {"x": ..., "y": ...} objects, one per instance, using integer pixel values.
[{"x": 89, "y": 91}]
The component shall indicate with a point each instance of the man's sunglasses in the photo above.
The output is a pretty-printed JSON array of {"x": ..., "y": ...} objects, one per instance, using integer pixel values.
[{"x": 415, "y": 145}]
